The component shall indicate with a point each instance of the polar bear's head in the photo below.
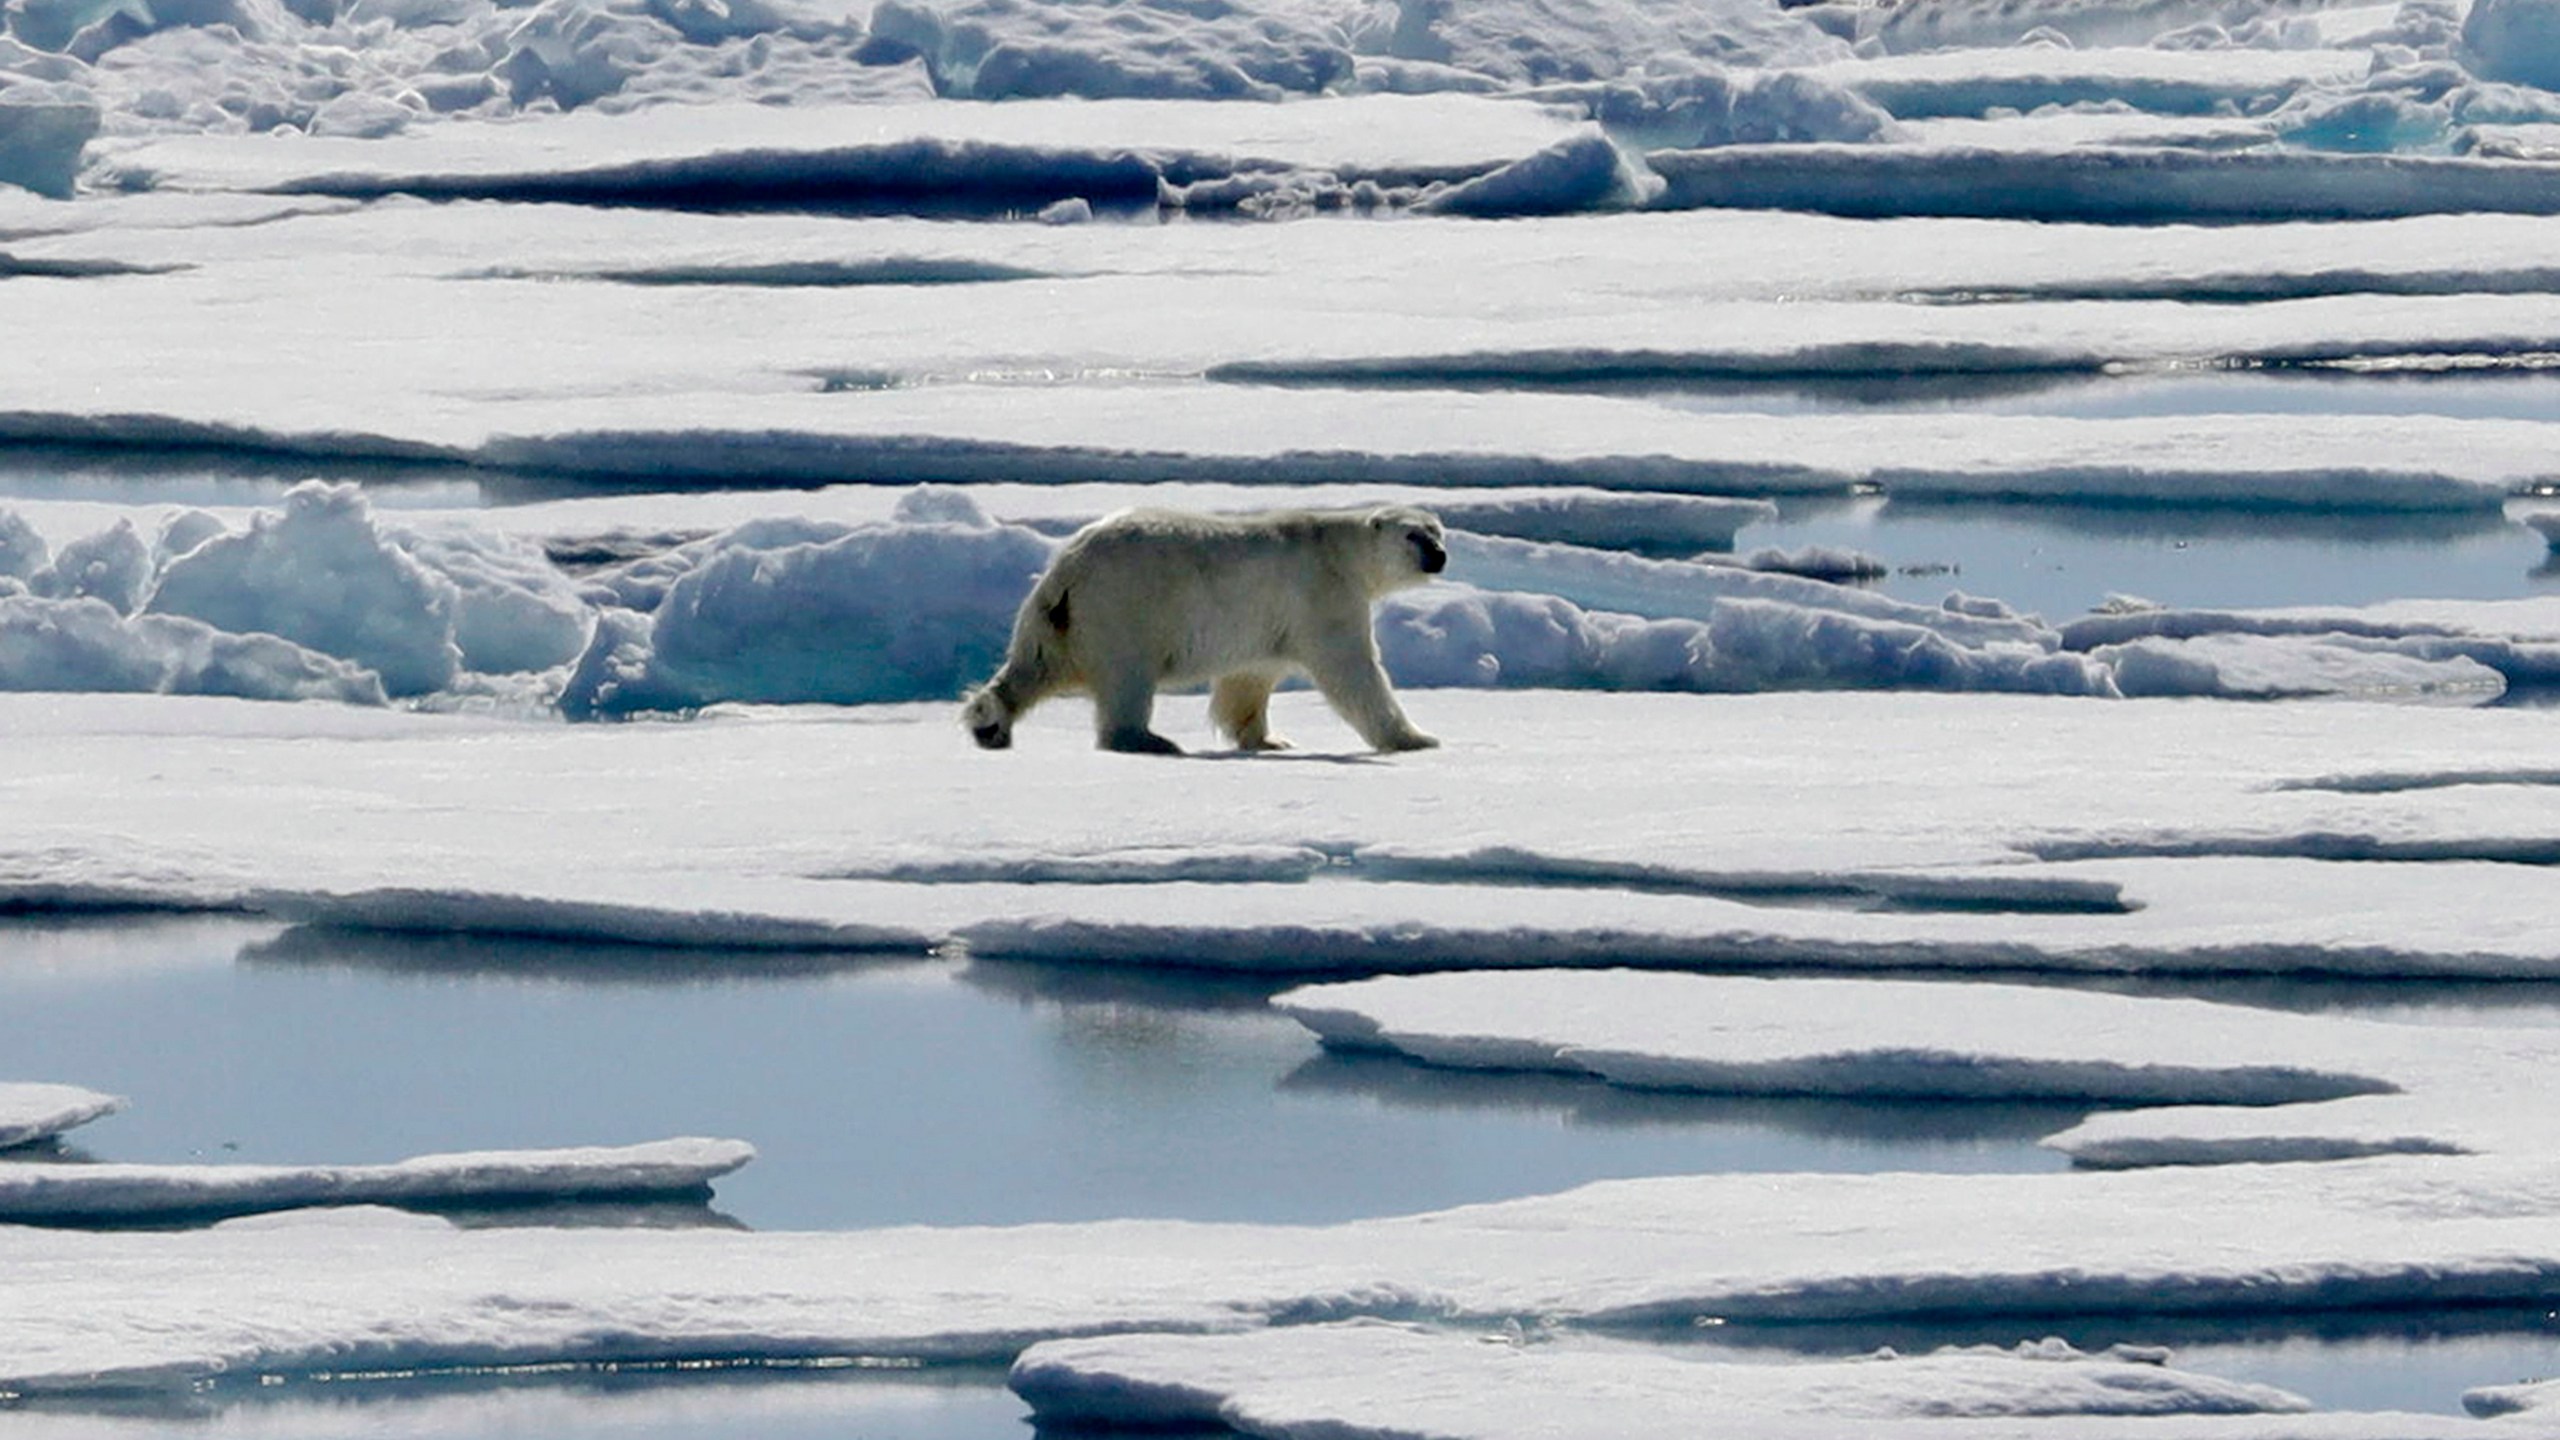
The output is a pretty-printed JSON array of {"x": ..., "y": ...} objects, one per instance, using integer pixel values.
[
  {"x": 989, "y": 718},
  {"x": 1411, "y": 546}
]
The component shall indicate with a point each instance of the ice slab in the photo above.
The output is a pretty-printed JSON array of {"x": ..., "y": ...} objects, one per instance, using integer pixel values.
[
  {"x": 32, "y": 1112},
  {"x": 2420, "y": 644},
  {"x": 1342, "y": 434},
  {"x": 66, "y": 1194},
  {"x": 2254, "y": 667},
  {"x": 2327, "y": 1086},
  {"x": 1377, "y": 1380},
  {"x": 1101, "y": 374},
  {"x": 960, "y": 151},
  {"x": 1805, "y": 1037},
  {"x": 2196, "y": 916},
  {"x": 2145, "y": 185},
  {"x": 92, "y": 1313},
  {"x": 1969, "y": 82},
  {"x": 1553, "y": 828}
]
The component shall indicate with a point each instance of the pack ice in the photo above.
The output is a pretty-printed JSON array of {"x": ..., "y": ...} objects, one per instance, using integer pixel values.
[{"x": 398, "y": 381}]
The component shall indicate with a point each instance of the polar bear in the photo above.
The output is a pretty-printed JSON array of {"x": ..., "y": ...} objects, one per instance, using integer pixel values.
[{"x": 1146, "y": 598}]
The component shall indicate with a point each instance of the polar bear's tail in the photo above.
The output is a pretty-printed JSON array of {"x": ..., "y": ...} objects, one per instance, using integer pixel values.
[{"x": 1035, "y": 667}]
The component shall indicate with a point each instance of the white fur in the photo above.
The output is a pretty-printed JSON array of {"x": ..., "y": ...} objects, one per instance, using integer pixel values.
[{"x": 1148, "y": 598}]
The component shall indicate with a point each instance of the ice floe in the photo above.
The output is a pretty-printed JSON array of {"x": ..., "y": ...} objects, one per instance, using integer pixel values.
[
  {"x": 91, "y": 1313},
  {"x": 974, "y": 156},
  {"x": 1375, "y": 1379},
  {"x": 99, "y": 1193},
  {"x": 1685, "y": 832},
  {"x": 2308, "y": 1086},
  {"x": 1649, "y": 381},
  {"x": 864, "y": 377},
  {"x": 31, "y": 1112}
]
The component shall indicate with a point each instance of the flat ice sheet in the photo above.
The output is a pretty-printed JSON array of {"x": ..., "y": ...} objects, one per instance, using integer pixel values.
[
  {"x": 90, "y": 1313},
  {"x": 1379, "y": 1380},
  {"x": 117, "y": 1193},
  {"x": 1396, "y": 133},
  {"x": 32, "y": 1111},
  {"x": 2311, "y": 1086},
  {"x": 1552, "y": 828},
  {"x": 796, "y": 350}
]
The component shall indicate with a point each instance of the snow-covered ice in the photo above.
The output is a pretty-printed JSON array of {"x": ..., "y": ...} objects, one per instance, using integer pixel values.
[
  {"x": 90, "y": 1313},
  {"x": 93, "y": 1193},
  {"x": 743, "y": 247},
  {"x": 1376, "y": 1379},
  {"x": 1665, "y": 842},
  {"x": 1074, "y": 371},
  {"x": 322, "y": 596},
  {"x": 1372, "y": 1378},
  {"x": 2309, "y": 1086},
  {"x": 32, "y": 1111}
]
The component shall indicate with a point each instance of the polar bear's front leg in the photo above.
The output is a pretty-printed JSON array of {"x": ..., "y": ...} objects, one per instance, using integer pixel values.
[
  {"x": 1345, "y": 667},
  {"x": 1241, "y": 706},
  {"x": 1124, "y": 707}
]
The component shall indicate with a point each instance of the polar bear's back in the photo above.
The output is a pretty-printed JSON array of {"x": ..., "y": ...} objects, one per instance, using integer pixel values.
[{"x": 1201, "y": 594}]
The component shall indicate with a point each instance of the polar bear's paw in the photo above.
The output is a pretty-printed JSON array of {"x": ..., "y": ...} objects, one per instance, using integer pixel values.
[{"x": 1139, "y": 742}]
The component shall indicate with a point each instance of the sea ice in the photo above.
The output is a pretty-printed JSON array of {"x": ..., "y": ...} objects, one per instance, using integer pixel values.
[
  {"x": 95, "y": 1314},
  {"x": 1973, "y": 81},
  {"x": 100, "y": 1193},
  {"x": 2259, "y": 667},
  {"x": 30, "y": 1112},
  {"x": 2311, "y": 1086},
  {"x": 83, "y": 644},
  {"x": 1370, "y": 1379},
  {"x": 1103, "y": 150},
  {"x": 324, "y": 597},
  {"x": 1684, "y": 831}
]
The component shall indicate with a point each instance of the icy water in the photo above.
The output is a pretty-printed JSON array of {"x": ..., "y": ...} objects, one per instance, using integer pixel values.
[
  {"x": 877, "y": 1092},
  {"x": 927, "y": 1090},
  {"x": 2062, "y": 560}
]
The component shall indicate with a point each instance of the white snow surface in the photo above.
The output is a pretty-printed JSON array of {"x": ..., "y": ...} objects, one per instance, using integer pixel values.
[
  {"x": 1408, "y": 350},
  {"x": 1378, "y": 1379},
  {"x": 124, "y": 1193},
  {"x": 1552, "y": 829},
  {"x": 944, "y": 143},
  {"x": 93, "y": 1313},
  {"x": 32, "y": 1111},
  {"x": 739, "y": 349},
  {"x": 2308, "y": 1086}
]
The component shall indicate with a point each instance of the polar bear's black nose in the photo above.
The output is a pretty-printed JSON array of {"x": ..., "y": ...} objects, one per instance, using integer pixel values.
[
  {"x": 1434, "y": 555},
  {"x": 993, "y": 737}
]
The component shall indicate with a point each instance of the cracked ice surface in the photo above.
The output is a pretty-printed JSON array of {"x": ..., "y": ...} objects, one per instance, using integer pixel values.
[
  {"x": 1656, "y": 844},
  {"x": 824, "y": 359},
  {"x": 87, "y": 1313}
]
